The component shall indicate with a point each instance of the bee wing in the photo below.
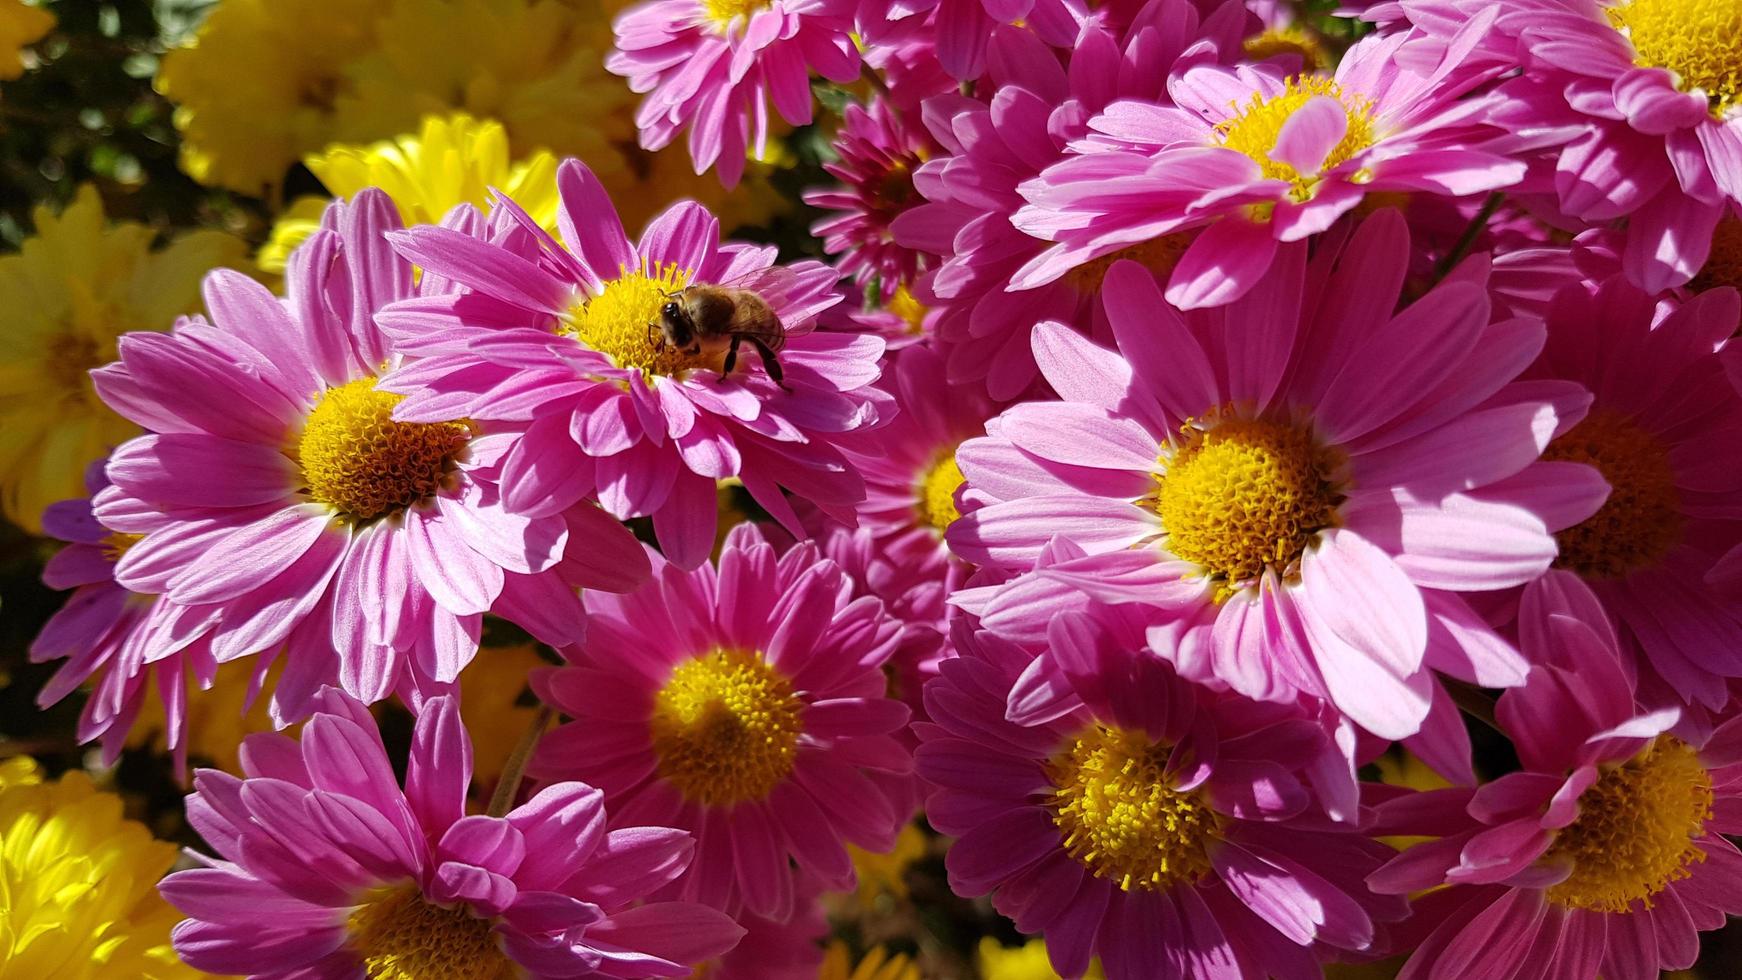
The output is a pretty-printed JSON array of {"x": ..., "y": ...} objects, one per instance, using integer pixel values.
[{"x": 776, "y": 285}]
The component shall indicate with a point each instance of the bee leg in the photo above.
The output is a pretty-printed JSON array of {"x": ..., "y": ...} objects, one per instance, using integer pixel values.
[
  {"x": 731, "y": 358},
  {"x": 655, "y": 337},
  {"x": 770, "y": 362}
]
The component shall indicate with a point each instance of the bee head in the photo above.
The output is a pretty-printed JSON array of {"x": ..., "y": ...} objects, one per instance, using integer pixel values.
[{"x": 679, "y": 329}]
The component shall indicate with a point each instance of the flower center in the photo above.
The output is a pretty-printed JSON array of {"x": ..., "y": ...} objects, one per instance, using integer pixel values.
[
  {"x": 1699, "y": 40},
  {"x": 1288, "y": 40},
  {"x": 1641, "y": 521},
  {"x": 910, "y": 310},
  {"x": 71, "y": 356},
  {"x": 1158, "y": 255},
  {"x": 357, "y": 460},
  {"x": 937, "y": 492},
  {"x": 724, "y": 12},
  {"x": 115, "y": 544},
  {"x": 1724, "y": 266},
  {"x": 1120, "y": 817},
  {"x": 726, "y": 727},
  {"x": 1245, "y": 495},
  {"x": 1255, "y": 130},
  {"x": 399, "y": 936},
  {"x": 623, "y": 321},
  {"x": 1636, "y": 830}
]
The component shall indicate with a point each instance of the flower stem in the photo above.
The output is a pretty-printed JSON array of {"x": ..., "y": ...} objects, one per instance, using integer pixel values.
[
  {"x": 1468, "y": 239},
  {"x": 508, "y": 784},
  {"x": 1472, "y": 701}
]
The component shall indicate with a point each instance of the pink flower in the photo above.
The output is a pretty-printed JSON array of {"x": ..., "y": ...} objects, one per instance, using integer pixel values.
[
  {"x": 992, "y": 146},
  {"x": 126, "y": 641},
  {"x": 1647, "y": 93},
  {"x": 1296, "y": 488},
  {"x": 879, "y": 149},
  {"x": 712, "y": 66},
  {"x": 745, "y": 705},
  {"x": 1142, "y": 820},
  {"x": 275, "y": 493},
  {"x": 1604, "y": 855},
  {"x": 1257, "y": 159},
  {"x": 326, "y": 868},
  {"x": 1663, "y": 429},
  {"x": 562, "y": 340}
]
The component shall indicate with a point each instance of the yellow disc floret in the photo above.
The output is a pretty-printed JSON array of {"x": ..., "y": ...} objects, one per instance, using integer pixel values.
[
  {"x": 357, "y": 460},
  {"x": 1119, "y": 815},
  {"x": 1288, "y": 40},
  {"x": 1641, "y": 521},
  {"x": 623, "y": 321},
  {"x": 1158, "y": 255},
  {"x": 1255, "y": 130},
  {"x": 725, "y": 728},
  {"x": 1636, "y": 830},
  {"x": 1699, "y": 40},
  {"x": 724, "y": 12},
  {"x": 399, "y": 936},
  {"x": 937, "y": 492},
  {"x": 1245, "y": 495}
]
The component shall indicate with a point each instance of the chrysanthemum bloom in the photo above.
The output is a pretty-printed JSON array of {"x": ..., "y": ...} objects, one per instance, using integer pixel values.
[
  {"x": 990, "y": 149},
  {"x": 450, "y": 160},
  {"x": 76, "y": 884},
  {"x": 879, "y": 149},
  {"x": 1299, "y": 489},
  {"x": 20, "y": 25},
  {"x": 1143, "y": 821},
  {"x": 965, "y": 26},
  {"x": 877, "y": 964},
  {"x": 1256, "y": 159},
  {"x": 1650, "y": 92},
  {"x": 996, "y": 961},
  {"x": 326, "y": 868},
  {"x": 1676, "y": 507},
  {"x": 276, "y": 492},
  {"x": 791, "y": 949},
  {"x": 746, "y": 706},
  {"x": 130, "y": 643},
  {"x": 902, "y": 319},
  {"x": 713, "y": 66},
  {"x": 563, "y": 339},
  {"x": 74, "y": 287},
  {"x": 1604, "y": 856}
]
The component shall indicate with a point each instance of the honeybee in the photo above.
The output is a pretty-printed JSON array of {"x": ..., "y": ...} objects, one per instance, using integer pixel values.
[{"x": 711, "y": 319}]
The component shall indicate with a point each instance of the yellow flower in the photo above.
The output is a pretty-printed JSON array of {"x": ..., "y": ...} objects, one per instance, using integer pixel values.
[
  {"x": 451, "y": 160},
  {"x": 490, "y": 705},
  {"x": 879, "y": 964},
  {"x": 880, "y": 873},
  {"x": 74, "y": 288},
  {"x": 1025, "y": 962},
  {"x": 20, "y": 24},
  {"x": 78, "y": 896},
  {"x": 217, "y": 718},
  {"x": 259, "y": 84}
]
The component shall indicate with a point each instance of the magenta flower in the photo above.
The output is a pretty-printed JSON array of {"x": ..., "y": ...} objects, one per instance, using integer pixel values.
[
  {"x": 1297, "y": 491},
  {"x": 713, "y": 66},
  {"x": 879, "y": 151},
  {"x": 1256, "y": 159},
  {"x": 991, "y": 147},
  {"x": 1676, "y": 506},
  {"x": 1604, "y": 856},
  {"x": 1647, "y": 93},
  {"x": 128, "y": 642},
  {"x": 275, "y": 493},
  {"x": 746, "y": 706},
  {"x": 327, "y": 869},
  {"x": 560, "y": 339},
  {"x": 1143, "y": 820}
]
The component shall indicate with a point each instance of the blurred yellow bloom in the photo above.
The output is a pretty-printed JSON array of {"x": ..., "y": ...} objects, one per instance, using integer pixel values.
[
  {"x": 880, "y": 873},
  {"x": 265, "y": 83},
  {"x": 879, "y": 964},
  {"x": 451, "y": 160},
  {"x": 490, "y": 689},
  {"x": 1025, "y": 962},
  {"x": 20, "y": 25},
  {"x": 76, "y": 286},
  {"x": 217, "y": 718},
  {"x": 78, "y": 895}
]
